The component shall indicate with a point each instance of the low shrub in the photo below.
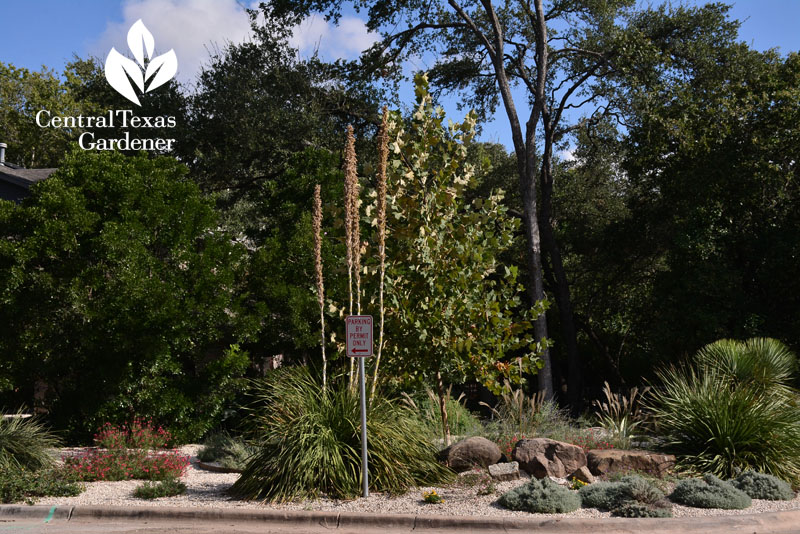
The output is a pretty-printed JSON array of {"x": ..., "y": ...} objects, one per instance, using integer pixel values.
[
  {"x": 18, "y": 484},
  {"x": 230, "y": 452},
  {"x": 309, "y": 442},
  {"x": 637, "y": 509},
  {"x": 25, "y": 442},
  {"x": 169, "y": 487},
  {"x": 761, "y": 486},
  {"x": 541, "y": 496},
  {"x": 619, "y": 497},
  {"x": 602, "y": 495},
  {"x": 710, "y": 492}
]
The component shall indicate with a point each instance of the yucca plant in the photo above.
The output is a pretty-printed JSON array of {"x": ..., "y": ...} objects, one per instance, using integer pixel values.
[
  {"x": 619, "y": 414},
  {"x": 309, "y": 442},
  {"x": 760, "y": 362},
  {"x": 732, "y": 412},
  {"x": 25, "y": 442}
]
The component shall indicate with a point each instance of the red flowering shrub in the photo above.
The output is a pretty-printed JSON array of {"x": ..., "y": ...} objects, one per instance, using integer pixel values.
[
  {"x": 507, "y": 444},
  {"x": 587, "y": 440},
  {"x": 128, "y": 452},
  {"x": 141, "y": 434}
]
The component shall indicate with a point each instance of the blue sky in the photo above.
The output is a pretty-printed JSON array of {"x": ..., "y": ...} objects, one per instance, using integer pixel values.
[{"x": 49, "y": 32}]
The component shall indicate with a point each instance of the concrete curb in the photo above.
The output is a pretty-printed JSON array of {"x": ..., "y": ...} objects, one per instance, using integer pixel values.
[{"x": 786, "y": 522}]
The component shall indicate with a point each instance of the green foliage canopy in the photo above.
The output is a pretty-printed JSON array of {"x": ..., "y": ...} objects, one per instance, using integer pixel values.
[{"x": 121, "y": 297}]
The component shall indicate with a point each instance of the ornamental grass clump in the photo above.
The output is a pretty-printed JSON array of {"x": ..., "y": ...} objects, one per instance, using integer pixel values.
[
  {"x": 734, "y": 410},
  {"x": 26, "y": 442},
  {"x": 710, "y": 492},
  {"x": 228, "y": 451},
  {"x": 309, "y": 442},
  {"x": 542, "y": 497},
  {"x": 761, "y": 486},
  {"x": 620, "y": 415}
]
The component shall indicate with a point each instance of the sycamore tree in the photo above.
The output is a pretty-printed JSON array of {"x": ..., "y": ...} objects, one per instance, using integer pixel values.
[{"x": 453, "y": 311}]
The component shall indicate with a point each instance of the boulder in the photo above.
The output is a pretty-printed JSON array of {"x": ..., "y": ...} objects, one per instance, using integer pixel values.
[
  {"x": 607, "y": 461},
  {"x": 583, "y": 474},
  {"x": 471, "y": 452},
  {"x": 542, "y": 457},
  {"x": 504, "y": 471}
]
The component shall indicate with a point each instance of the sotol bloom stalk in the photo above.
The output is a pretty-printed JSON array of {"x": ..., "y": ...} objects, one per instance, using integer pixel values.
[
  {"x": 351, "y": 221},
  {"x": 383, "y": 157},
  {"x": 317, "y": 222}
]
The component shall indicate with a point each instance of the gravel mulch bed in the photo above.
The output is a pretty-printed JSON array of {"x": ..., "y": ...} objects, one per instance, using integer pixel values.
[{"x": 207, "y": 489}]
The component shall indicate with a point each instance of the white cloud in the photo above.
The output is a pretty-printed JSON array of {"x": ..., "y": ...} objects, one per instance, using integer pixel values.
[
  {"x": 568, "y": 154},
  {"x": 190, "y": 27},
  {"x": 345, "y": 41}
]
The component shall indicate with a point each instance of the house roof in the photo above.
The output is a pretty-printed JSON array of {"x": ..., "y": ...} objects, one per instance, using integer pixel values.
[{"x": 23, "y": 177}]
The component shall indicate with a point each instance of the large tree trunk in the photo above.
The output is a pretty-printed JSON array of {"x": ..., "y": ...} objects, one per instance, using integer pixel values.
[
  {"x": 525, "y": 150},
  {"x": 535, "y": 281},
  {"x": 562, "y": 294}
]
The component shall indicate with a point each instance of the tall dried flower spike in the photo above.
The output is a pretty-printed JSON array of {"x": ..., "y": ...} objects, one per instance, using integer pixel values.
[
  {"x": 383, "y": 158},
  {"x": 317, "y": 223},
  {"x": 350, "y": 215}
]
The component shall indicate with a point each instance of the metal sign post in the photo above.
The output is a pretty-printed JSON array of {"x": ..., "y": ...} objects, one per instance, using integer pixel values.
[{"x": 359, "y": 345}]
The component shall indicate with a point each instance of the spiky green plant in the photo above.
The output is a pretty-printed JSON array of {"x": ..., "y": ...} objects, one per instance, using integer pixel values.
[
  {"x": 25, "y": 442},
  {"x": 734, "y": 411},
  {"x": 309, "y": 442},
  {"x": 229, "y": 451},
  {"x": 760, "y": 362}
]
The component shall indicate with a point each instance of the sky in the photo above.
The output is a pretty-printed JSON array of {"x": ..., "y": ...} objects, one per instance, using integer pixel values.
[{"x": 49, "y": 33}]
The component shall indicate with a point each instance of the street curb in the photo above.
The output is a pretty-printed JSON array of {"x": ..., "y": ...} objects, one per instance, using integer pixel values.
[
  {"x": 45, "y": 513},
  {"x": 785, "y": 522}
]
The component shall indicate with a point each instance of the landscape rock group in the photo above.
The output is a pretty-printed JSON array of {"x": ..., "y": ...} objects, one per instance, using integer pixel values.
[{"x": 543, "y": 458}]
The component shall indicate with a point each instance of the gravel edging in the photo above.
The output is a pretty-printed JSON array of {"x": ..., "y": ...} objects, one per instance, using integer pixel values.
[{"x": 206, "y": 490}]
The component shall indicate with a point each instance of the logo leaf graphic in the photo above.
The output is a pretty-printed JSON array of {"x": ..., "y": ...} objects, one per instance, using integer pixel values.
[
  {"x": 164, "y": 67},
  {"x": 120, "y": 71},
  {"x": 140, "y": 40},
  {"x": 118, "y": 68}
]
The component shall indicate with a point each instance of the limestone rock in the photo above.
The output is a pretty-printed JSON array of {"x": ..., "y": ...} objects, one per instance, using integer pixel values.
[
  {"x": 504, "y": 471},
  {"x": 542, "y": 457},
  {"x": 607, "y": 461},
  {"x": 471, "y": 452}
]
